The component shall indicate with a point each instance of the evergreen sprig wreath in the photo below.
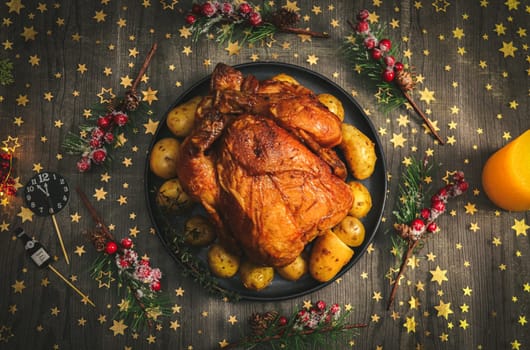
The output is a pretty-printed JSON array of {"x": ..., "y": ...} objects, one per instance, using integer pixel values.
[
  {"x": 107, "y": 123},
  {"x": 7, "y": 182},
  {"x": 415, "y": 222},
  {"x": 143, "y": 303},
  {"x": 230, "y": 21},
  {"x": 310, "y": 326},
  {"x": 373, "y": 55}
]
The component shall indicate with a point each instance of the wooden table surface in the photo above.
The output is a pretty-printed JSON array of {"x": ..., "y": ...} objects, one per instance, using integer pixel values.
[{"x": 467, "y": 288}]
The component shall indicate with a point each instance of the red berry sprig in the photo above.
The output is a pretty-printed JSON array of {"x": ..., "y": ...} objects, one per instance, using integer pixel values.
[
  {"x": 7, "y": 183},
  {"x": 417, "y": 230},
  {"x": 244, "y": 13}
]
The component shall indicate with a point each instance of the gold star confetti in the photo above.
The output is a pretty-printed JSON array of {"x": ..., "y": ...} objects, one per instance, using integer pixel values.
[
  {"x": 410, "y": 324},
  {"x": 118, "y": 327},
  {"x": 438, "y": 275},
  {"x": 444, "y": 309},
  {"x": 520, "y": 227}
]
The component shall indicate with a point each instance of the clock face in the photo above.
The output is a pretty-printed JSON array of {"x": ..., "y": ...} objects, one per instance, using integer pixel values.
[{"x": 46, "y": 193}]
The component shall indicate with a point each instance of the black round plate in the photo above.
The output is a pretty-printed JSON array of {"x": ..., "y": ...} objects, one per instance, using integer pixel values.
[{"x": 377, "y": 184}]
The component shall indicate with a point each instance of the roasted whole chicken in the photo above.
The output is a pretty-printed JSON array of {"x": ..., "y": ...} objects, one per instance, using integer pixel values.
[{"x": 260, "y": 160}]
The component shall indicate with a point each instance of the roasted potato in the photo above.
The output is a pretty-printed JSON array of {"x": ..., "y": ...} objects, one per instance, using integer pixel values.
[
  {"x": 198, "y": 231},
  {"x": 359, "y": 152},
  {"x": 362, "y": 200},
  {"x": 222, "y": 263},
  {"x": 286, "y": 78},
  {"x": 294, "y": 270},
  {"x": 172, "y": 198},
  {"x": 164, "y": 157},
  {"x": 181, "y": 118},
  {"x": 350, "y": 230},
  {"x": 328, "y": 256},
  {"x": 255, "y": 277},
  {"x": 333, "y": 104}
]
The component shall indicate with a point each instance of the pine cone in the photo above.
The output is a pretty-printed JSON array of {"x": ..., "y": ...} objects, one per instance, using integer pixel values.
[
  {"x": 405, "y": 80},
  {"x": 259, "y": 322},
  {"x": 131, "y": 101},
  {"x": 284, "y": 18}
]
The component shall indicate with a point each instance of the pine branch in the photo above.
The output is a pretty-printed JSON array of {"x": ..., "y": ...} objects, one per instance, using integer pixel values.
[{"x": 6, "y": 72}]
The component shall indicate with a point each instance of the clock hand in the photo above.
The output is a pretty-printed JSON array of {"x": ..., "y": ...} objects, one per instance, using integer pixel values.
[{"x": 45, "y": 191}]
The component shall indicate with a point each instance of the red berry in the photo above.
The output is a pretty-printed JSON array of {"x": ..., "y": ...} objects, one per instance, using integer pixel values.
[
  {"x": 363, "y": 27},
  {"x": 109, "y": 137},
  {"x": 376, "y": 54},
  {"x": 370, "y": 42},
  {"x": 111, "y": 247},
  {"x": 97, "y": 133},
  {"x": 463, "y": 186},
  {"x": 388, "y": 75},
  {"x": 254, "y": 19},
  {"x": 95, "y": 143},
  {"x": 144, "y": 262},
  {"x": 425, "y": 213},
  {"x": 121, "y": 119},
  {"x": 417, "y": 224},
  {"x": 126, "y": 243},
  {"x": 99, "y": 155},
  {"x": 282, "y": 321},
  {"x": 385, "y": 45},
  {"x": 432, "y": 227},
  {"x": 321, "y": 305},
  {"x": 208, "y": 9},
  {"x": 245, "y": 8},
  {"x": 438, "y": 205},
  {"x": 398, "y": 66},
  {"x": 190, "y": 19},
  {"x": 334, "y": 309},
  {"x": 156, "y": 286},
  {"x": 227, "y": 8},
  {"x": 83, "y": 165},
  {"x": 442, "y": 192},
  {"x": 104, "y": 122},
  {"x": 363, "y": 15},
  {"x": 390, "y": 61}
]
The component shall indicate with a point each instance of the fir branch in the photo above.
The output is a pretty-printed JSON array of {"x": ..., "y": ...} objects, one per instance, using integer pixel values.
[{"x": 6, "y": 72}]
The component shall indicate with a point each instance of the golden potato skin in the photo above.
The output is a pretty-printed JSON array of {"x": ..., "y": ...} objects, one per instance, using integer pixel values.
[
  {"x": 198, "y": 231},
  {"x": 255, "y": 277},
  {"x": 294, "y": 270},
  {"x": 328, "y": 256},
  {"x": 164, "y": 158},
  {"x": 181, "y": 118},
  {"x": 351, "y": 231},
  {"x": 222, "y": 263},
  {"x": 333, "y": 104},
  {"x": 172, "y": 198},
  {"x": 359, "y": 152},
  {"x": 362, "y": 200},
  {"x": 286, "y": 78}
]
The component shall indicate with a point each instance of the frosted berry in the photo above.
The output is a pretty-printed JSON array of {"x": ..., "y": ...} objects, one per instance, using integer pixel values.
[
  {"x": 121, "y": 119},
  {"x": 363, "y": 15},
  {"x": 227, "y": 8},
  {"x": 363, "y": 27},
  {"x": 104, "y": 122},
  {"x": 245, "y": 8},
  {"x": 282, "y": 321},
  {"x": 111, "y": 247},
  {"x": 156, "y": 286},
  {"x": 398, "y": 66},
  {"x": 390, "y": 60},
  {"x": 463, "y": 186},
  {"x": 417, "y": 225},
  {"x": 376, "y": 54},
  {"x": 208, "y": 9},
  {"x": 254, "y": 19},
  {"x": 438, "y": 205},
  {"x": 321, "y": 305},
  {"x": 425, "y": 213},
  {"x": 99, "y": 155},
  {"x": 388, "y": 75},
  {"x": 126, "y": 243},
  {"x": 432, "y": 227},
  {"x": 385, "y": 45},
  {"x": 83, "y": 165},
  {"x": 370, "y": 42}
]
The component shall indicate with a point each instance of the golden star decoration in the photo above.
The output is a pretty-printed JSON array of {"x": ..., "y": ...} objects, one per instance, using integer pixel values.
[
  {"x": 106, "y": 95},
  {"x": 520, "y": 227},
  {"x": 438, "y": 275},
  {"x": 118, "y": 327},
  {"x": 104, "y": 279}
]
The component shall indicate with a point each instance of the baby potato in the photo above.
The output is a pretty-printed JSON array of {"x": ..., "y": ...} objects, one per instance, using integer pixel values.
[
  {"x": 255, "y": 277},
  {"x": 333, "y": 104},
  {"x": 198, "y": 231},
  {"x": 172, "y": 198},
  {"x": 181, "y": 118},
  {"x": 362, "y": 200},
  {"x": 359, "y": 152},
  {"x": 286, "y": 78},
  {"x": 222, "y": 263},
  {"x": 294, "y": 270},
  {"x": 328, "y": 256},
  {"x": 164, "y": 157},
  {"x": 350, "y": 230}
]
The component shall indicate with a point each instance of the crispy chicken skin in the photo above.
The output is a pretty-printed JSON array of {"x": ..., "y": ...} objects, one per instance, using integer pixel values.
[{"x": 259, "y": 160}]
